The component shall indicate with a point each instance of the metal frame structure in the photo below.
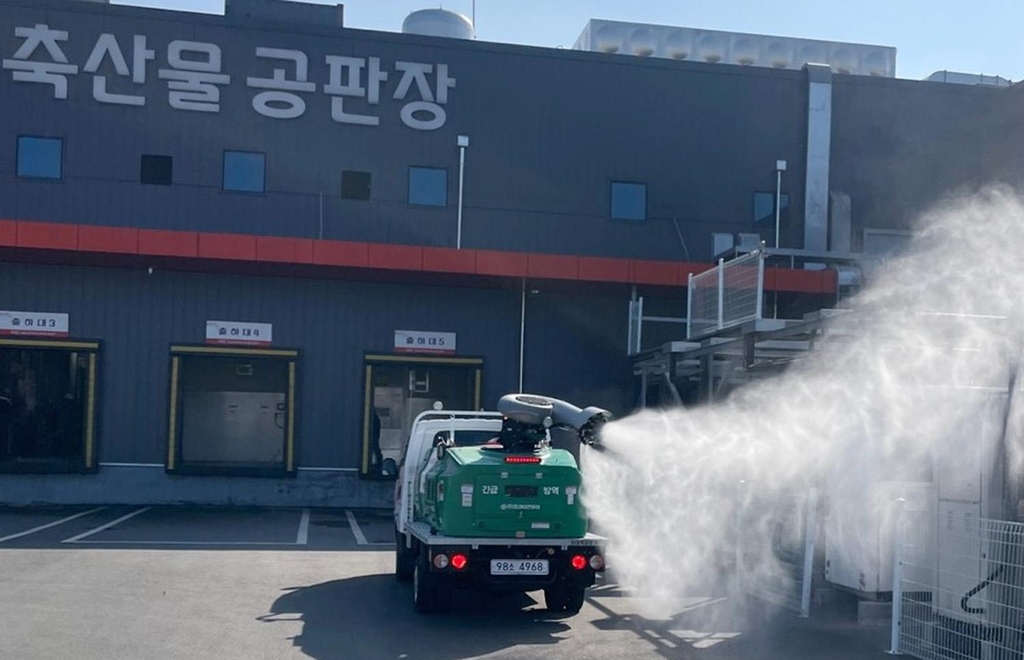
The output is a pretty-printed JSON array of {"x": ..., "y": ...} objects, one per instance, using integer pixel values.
[{"x": 731, "y": 357}]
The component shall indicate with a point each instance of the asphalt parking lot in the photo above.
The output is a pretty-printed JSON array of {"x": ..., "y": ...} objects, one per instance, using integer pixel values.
[{"x": 187, "y": 583}]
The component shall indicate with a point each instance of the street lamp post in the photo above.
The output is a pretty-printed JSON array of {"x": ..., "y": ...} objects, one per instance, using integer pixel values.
[
  {"x": 463, "y": 142},
  {"x": 780, "y": 167}
]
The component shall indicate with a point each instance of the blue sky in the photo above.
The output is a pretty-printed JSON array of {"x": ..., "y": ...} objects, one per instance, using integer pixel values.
[{"x": 981, "y": 37}]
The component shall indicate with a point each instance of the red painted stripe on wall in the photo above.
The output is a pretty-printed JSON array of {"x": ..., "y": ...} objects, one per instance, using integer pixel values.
[
  {"x": 47, "y": 235},
  {"x": 159, "y": 242},
  {"x": 114, "y": 240},
  {"x": 278, "y": 249}
]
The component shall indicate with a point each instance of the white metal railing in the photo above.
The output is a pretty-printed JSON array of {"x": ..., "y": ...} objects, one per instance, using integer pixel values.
[
  {"x": 725, "y": 296},
  {"x": 958, "y": 586},
  {"x": 775, "y": 539}
]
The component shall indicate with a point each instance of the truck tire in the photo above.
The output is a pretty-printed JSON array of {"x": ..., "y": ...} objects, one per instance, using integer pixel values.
[
  {"x": 405, "y": 559},
  {"x": 553, "y": 599},
  {"x": 429, "y": 592},
  {"x": 564, "y": 598},
  {"x": 574, "y": 597}
]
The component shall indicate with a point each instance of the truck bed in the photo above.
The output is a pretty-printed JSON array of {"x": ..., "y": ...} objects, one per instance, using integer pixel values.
[{"x": 421, "y": 531}]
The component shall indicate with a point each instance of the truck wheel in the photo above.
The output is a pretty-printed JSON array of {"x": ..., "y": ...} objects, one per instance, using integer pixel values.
[
  {"x": 422, "y": 591},
  {"x": 574, "y": 596},
  {"x": 554, "y": 599},
  {"x": 405, "y": 559},
  {"x": 564, "y": 598},
  {"x": 429, "y": 592}
]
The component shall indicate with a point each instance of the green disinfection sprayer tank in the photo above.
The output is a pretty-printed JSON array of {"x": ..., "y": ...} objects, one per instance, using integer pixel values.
[{"x": 515, "y": 485}]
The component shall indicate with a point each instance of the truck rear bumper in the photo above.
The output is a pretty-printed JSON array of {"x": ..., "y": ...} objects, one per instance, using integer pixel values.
[{"x": 477, "y": 571}]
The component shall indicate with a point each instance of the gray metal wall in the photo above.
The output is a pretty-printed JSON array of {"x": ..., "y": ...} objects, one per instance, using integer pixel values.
[
  {"x": 899, "y": 146},
  {"x": 138, "y": 316},
  {"x": 549, "y": 129}
]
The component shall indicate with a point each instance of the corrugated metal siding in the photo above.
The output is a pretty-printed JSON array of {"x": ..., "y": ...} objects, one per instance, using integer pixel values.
[
  {"x": 549, "y": 129},
  {"x": 900, "y": 146},
  {"x": 576, "y": 348},
  {"x": 138, "y": 316}
]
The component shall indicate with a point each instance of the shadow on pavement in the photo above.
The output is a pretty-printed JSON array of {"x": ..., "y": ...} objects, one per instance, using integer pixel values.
[
  {"x": 717, "y": 627},
  {"x": 371, "y": 616}
]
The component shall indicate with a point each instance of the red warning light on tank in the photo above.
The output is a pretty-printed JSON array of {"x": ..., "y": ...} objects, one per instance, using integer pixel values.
[
  {"x": 579, "y": 562},
  {"x": 459, "y": 561},
  {"x": 522, "y": 459}
]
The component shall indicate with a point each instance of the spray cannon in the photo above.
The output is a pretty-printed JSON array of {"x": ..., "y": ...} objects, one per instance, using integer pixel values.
[{"x": 528, "y": 418}]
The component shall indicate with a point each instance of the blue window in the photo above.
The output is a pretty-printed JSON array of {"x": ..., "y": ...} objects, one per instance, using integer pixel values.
[
  {"x": 764, "y": 208},
  {"x": 40, "y": 158},
  {"x": 629, "y": 201},
  {"x": 245, "y": 171},
  {"x": 428, "y": 186}
]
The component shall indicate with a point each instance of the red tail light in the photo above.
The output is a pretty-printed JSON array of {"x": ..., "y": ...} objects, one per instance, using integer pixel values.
[
  {"x": 579, "y": 562},
  {"x": 459, "y": 562},
  {"x": 522, "y": 459}
]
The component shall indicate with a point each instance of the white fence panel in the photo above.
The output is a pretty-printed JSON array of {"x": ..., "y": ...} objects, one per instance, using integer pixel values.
[
  {"x": 726, "y": 296},
  {"x": 960, "y": 592}
]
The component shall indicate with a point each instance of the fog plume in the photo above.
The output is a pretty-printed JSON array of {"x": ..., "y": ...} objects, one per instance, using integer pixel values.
[{"x": 904, "y": 374}]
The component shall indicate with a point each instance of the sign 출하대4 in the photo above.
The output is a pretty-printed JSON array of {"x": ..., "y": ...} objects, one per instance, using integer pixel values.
[{"x": 234, "y": 332}]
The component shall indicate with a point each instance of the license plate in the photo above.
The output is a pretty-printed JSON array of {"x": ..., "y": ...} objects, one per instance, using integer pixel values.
[{"x": 519, "y": 567}]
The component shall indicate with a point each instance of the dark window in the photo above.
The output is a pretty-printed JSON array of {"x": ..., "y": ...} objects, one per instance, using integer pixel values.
[
  {"x": 355, "y": 185},
  {"x": 764, "y": 207},
  {"x": 40, "y": 158},
  {"x": 244, "y": 171},
  {"x": 629, "y": 201},
  {"x": 428, "y": 186},
  {"x": 156, "y": 170}
]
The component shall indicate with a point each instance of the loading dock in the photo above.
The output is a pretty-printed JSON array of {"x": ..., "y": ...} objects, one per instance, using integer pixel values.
[
  {"x": 232, "y": 411},
  {"x": 397, "y": 388},
  {"x": 48, "y": 405}
]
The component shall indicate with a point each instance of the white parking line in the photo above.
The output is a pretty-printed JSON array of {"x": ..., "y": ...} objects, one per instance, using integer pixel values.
[
  {"x": 49, "y": 525},
  {"x": 356, "y": 530},
  {"x": 303, "y": 536},
  {"x": 279, "y": 544},
  {"x": 97, "y": 530}
]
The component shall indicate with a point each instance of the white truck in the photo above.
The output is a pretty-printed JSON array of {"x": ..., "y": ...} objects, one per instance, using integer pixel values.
[{"x": 477, "y": 507}]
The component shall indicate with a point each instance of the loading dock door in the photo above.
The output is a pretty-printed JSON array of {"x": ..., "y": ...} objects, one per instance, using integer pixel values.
[
  {"x": 232, "y": 411},
  {"x": 48, "y": 405},
  {"x": 397, "y": 389}
]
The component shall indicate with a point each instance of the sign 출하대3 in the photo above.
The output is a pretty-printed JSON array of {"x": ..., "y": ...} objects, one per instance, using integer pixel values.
[{"x": 33, "y": 324}]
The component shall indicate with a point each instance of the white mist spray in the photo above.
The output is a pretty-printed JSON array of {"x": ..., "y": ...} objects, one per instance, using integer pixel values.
[{"x": 905, "y": 380}]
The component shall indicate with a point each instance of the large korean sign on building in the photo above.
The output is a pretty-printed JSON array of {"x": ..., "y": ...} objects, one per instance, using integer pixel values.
[{"x": 350, "y": 89}]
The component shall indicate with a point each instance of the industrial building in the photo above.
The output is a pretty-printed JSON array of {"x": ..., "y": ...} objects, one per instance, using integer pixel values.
[{"x": 240, "y": 253}]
